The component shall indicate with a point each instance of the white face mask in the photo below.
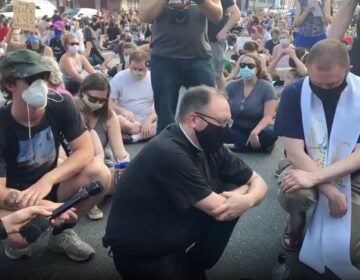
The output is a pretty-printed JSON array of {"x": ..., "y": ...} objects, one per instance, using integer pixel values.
[
  {"x": 91, "y": 106},
  {"x": 36, "y": 94},
  {"x": 138, "y": 75},
  {"x": 284, "y": 42},
  {"x": 73, "y": 49}
]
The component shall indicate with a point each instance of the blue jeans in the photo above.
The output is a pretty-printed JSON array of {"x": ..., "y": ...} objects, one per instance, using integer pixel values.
[
  {"x": 168, "y": 75},
  {"x": 239, "y": 136}
]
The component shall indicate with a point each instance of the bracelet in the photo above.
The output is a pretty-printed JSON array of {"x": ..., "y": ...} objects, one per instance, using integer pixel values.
[{"x": 3, "y": 233}]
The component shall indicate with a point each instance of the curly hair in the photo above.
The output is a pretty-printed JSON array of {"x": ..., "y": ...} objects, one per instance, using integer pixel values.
[{"x": 261, "y": 72}]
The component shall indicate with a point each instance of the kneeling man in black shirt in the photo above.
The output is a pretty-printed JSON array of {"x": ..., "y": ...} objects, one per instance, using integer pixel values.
[{"x": 178, "y": 201}]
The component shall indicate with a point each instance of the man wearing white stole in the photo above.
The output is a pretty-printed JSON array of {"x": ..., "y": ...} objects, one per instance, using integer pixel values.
[{"x": 319, "y": 122}]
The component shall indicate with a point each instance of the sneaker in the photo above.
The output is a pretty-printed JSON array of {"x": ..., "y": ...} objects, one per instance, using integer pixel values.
[
  {"x": 15, "y": 254},
  {"x": 95, "y": 214},
  {"x": 127, "y": 139},
  {"x": 69, "y": 242}
]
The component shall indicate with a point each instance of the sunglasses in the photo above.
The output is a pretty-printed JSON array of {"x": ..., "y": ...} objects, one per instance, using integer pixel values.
[
  {"x": 94, "y": 99},
  {"x": 248, "y": 65},
  {"x": 73, "y": 44}
]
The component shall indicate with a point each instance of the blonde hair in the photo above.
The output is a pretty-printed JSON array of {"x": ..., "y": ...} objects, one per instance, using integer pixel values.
[
  {"x": 67, "y": 37},
  {"x": 56, "y": 77}
]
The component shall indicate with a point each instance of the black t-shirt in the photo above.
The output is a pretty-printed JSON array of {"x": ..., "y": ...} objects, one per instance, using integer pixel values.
[
  {"x": 22, "y": 161},
  {"x": 288, "y": 121},
  {"x": 152, "y": 211},
  {"x": 214, "y": 28},
  {"x": 112, "y": 33},
  {"x": 57, "y": 48}
]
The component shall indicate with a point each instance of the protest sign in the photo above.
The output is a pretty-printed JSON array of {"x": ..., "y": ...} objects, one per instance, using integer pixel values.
[
  {"x": 24, "y": 15},
  {"x": 240, "y": 41}
]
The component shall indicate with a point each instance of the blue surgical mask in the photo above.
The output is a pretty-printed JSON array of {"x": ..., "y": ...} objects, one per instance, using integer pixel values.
[
  {"x": 34, "y": 39},
  {"x": 246, "y": 73}
]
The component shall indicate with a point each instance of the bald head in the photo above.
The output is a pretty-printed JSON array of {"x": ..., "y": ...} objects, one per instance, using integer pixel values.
[
  {"x": 196, "y": 98},
  {"x": 328, "y": 54}
]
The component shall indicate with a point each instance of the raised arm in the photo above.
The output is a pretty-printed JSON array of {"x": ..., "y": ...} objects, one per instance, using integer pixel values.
[
  {"x": 326, "y": 19},
  {"x": 300, "y": 15},
  {"x": 150, "y": 9},
  {"x": 342, "y": 19},
  {"x": 233, "y": 19}
]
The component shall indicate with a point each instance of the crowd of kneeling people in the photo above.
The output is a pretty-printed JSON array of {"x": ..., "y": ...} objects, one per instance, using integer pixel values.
[{"x": 61, "y": 130}]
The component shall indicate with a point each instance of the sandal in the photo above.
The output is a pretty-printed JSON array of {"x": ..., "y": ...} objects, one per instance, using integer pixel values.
[{"x": 291, "y": 242}]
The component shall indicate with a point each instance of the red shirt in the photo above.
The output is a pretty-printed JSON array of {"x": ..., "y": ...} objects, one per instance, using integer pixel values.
[{"x": 3, "y": 32}]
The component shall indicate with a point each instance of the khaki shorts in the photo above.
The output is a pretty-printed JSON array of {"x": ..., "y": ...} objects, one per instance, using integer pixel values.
[{"x": 305, "y": 199}]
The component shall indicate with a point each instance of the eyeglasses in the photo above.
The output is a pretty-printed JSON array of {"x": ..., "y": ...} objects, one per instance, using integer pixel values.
[
  {"x": 228, "y": 123},
  {"x": 73, "y": 44},
  {"x": 248, "y": 65},
  {"x": 94, "y": 99}
]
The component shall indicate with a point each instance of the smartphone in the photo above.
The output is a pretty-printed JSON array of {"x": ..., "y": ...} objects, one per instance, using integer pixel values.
[{"x": 318, "y": 12}]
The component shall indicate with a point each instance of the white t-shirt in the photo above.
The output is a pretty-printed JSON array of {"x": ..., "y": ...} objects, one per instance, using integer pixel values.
[{"x": 134, "y": 96}]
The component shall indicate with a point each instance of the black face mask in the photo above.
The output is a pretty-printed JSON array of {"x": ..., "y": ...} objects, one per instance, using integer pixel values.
[
  {"x": 212, "y": 137},
  {"x": 324, "y": 92}
]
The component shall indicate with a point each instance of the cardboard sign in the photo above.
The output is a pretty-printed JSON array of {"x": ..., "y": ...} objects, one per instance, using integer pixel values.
[
  {"x": 240, "y": 41},
  {"x": 24, "y": 15}
]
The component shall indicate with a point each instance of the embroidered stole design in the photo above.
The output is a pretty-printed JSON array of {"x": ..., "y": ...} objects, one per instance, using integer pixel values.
[{"x": 327, "y": 239}]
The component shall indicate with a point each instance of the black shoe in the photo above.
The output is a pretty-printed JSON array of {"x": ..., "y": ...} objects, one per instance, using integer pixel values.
[{"x": 127, "y": 139}]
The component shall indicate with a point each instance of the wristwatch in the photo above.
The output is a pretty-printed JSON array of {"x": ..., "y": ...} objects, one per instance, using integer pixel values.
[{"x": 3, "y": 233}]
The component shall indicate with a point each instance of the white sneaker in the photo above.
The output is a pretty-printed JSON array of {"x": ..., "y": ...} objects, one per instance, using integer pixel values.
[
  {"x": 15, "y": 254},
  {"x": 95, "y": 214},
  {"x": 69, "y": 242}
]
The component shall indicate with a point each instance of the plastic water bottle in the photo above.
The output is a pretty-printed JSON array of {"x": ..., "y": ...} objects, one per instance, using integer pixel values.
[
  {"x": 281, "y": 270},
  {"x": 119, "y": 169}
]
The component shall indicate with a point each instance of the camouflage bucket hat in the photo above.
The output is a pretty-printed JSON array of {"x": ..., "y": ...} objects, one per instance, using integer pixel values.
[{"x": 21, "y": 64}]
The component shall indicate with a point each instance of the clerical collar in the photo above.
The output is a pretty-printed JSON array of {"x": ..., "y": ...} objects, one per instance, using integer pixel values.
[{"x": 188, "y": 138}]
